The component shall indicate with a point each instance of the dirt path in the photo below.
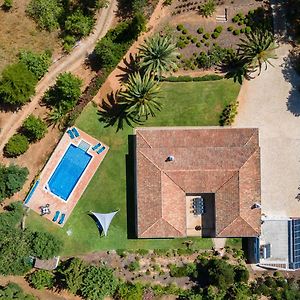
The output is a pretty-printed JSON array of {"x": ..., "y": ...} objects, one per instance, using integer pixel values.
[
  {"x": 40, "y": 294},
  {"x": 113, "y": 82},
  {"x": 11, "y": 121}
]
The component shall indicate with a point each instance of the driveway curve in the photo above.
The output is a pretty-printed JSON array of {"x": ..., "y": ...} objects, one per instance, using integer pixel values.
[
  {"x": 65, "y": 64},
  {"x": 271, "y": 102}
]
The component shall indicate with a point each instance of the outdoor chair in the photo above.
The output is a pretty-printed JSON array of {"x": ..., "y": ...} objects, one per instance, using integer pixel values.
[
  {"x": 96, "y": 146},
  {"x": 56, "y": 216},
  {"x": 101, "y": 150},
  {"x": 62, "y": 218},
  {"x": 75, "y": 131},
  {"x": 71, "y": 134}
]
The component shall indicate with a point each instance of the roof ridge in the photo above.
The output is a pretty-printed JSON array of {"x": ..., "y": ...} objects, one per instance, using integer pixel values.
[
  {"x": 150, "y": 160},
  {"x": 144, "y": 139},
  {"x": 239, "y": 216},
  {"x": 163, "y": 219},
  {"x": 255, "y": 150},
  {"x": 173, "y": 180},
  {"x": 254, "y": 132},
  {"x": 234, "y": 173}
]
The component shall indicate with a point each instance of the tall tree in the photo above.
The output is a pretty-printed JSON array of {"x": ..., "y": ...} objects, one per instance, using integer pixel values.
[
  {"x": 17, "y": 84},
  {"x": 158, "y": 54},
  {"x": 257, "y": 49},
  {"x": 140, "y": 96}
]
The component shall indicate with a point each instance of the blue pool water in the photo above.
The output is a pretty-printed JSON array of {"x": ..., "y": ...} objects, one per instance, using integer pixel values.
[{"x": 68, "y": 172}]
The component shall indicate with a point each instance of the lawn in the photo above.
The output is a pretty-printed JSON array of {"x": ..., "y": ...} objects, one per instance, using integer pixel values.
[{"x": 184, "y": 104}]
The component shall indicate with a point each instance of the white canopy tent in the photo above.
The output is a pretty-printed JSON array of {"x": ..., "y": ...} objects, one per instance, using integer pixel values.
[{"x": 105, "y": 220}]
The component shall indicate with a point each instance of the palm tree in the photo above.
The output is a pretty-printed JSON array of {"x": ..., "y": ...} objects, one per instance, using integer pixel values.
[
  {"x": 158, "y": 54},
  {"x": 258, "y": 49},
  {"x": 140, "y": 96},
  {"x": 56, "y": 116}
]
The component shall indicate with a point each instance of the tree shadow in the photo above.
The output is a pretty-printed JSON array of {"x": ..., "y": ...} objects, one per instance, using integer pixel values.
[
  {"x": 290, "y": 75},
  {"x": 5, "y": 107},
  {"x": 131, "y": 67},
  {"x": 113, "y": 113},
  {"x": 130, "y": 188},
  {"x": 124, "y": 9}
]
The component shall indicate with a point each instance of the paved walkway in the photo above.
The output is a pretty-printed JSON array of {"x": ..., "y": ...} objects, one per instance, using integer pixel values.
[
  {"x": 271, "y": 102},
  {"x": 69, "y": 63}
]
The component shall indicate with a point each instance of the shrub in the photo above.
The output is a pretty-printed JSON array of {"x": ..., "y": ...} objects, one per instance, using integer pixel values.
[
  {"x": 7, "y": 4},
  {"x": 36, "y": 63},
  {"x": 198, "y": 44},
  {"x": 41, "y": 279},
  {"x": 134, "y": 266},
  {"x": 121, "y": 252},
  {"x": 218, "y": 29},
  {"x": 236, "y": 32},
  {"x": 215, "y": 35},
  {"x": 130, "y": 291},
  {"x": 184, "y": 31},
  {"x": 189, "y": 37},
  {"x": 247, "y": 29},
  {"x": 160, "y": 252},
  {"x": 181, "y": 44},
  {"x": 230, "y": 28},
  {"x": 200, "y": 30},
  {"x": 241, "y": 274},
  {"x": 142, "y": 252},
  {"x": 207, "y": 8},
  {"x": 229, "y": 113},
  {"x": 206, "y": 36},
  {"x": 17, "y": 84},
  {"x": 211, "y": 77},
  {"x": 13, "y": 291},
  {"x": 16, "y": 145},
  {"x": 240, "y": 23},
  {"x": 235, "y": 19},
  {"x": 182, "y": 271},
  {"x": 34, "y": 128},
  {"x": 180, "y": 27},
  {"x": 207, "y": 44},
  {"x": 194, "y": 40},
  {"x": 12, "y": 179}
]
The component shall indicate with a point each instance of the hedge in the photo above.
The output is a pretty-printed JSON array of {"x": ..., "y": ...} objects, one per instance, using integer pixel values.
[
  {"x": 17, "y": 145},
  {"x": 210, "y": 77}
]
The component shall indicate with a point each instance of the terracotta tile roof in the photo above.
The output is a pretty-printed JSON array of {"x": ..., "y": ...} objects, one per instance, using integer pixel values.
[{"x": 223, "y": 161}]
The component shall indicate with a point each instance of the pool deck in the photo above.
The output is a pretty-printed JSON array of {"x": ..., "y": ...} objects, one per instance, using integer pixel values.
[{"x": 42, "y": 196}]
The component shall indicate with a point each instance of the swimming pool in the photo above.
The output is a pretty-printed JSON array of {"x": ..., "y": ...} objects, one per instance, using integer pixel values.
[{"x": 68, "y": 172}]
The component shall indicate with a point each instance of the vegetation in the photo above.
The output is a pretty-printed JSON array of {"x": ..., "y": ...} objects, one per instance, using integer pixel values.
[
  {"x": 41, "y": 279},
  {"x": 36, "y": 63},
  {"x": 140, "y": 96},
  {"x": 12, "y": 179},
  {"x": 208, "y": 8},
  {"x": 16, "y": 85},
  {"x": 34, "y": 128},
  {"x": 7, "y": 4},
  {"x": 158, "y": 55},
  {"x": 13, "y": 292},
  {"x": 65, "y": 93},
  {"x": 229, "y": 113},
  {"x": 16, "y": 145}
]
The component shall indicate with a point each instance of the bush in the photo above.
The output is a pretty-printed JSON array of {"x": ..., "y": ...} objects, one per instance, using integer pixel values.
[
  {"x": 13, "y": 291},
  {"x": 218, "y": 29},
  {"x": 215, "y": 35},
  {"x": 235, "y": 19},
  {"x": 130, "y": 291},
  {"x": 160, "y": 252},
  {"x": 194, "y": 40},
  {"x": 134, "y": 266},
  {"x": 200, "y": 30},
  {"x": 182, "y": 271},
  {"x": 207, "y": 44},
  {"x": 41, "y": 279},
  {"x": 34, "y": 128},
  {"x": 229, "y": 113},
  {"x": 121, "y": 252},
  {"x": 241, "y": 274},
  {"x": 12, "y": 179},
  {"x": 236, "y": 32},
  {"x": 46, "y": 13},
  {"x": 184, "y": 31},
  {"x": 247, "y": 29},
  {"x": 207, "y": 8},
  {"x": 69, "y": 43},
  {"x": 36, "y": 63},
  {"x": 142, "y": 252},
  {"x": 198, "y": 44},
  {"x": 189, "y": 37},
  {"x": 180, "y": 27},
  {"x": 242, "y": 30},
  {"x": 17, "y": 85},
  {"x": 7, "y": 4},
  {"x": 230, "y": 28},
  {"x": 180, "y": 44},
  {"x": 16, "y": 145},
  {"x": 44, "y": 245},
  {"x": 206, "y": 36}
]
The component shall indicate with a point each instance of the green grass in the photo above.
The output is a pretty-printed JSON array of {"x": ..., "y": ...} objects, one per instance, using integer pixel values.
[
  {"x": 184, "y": 104},
  {"x": 234, "y": 243}
]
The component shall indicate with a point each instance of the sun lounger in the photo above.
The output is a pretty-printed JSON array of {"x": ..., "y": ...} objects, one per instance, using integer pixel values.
[
  {"x": 56, "y": 216},
  {"x": 96, "y": 146},
  {"x": 71, "y": 134},
  {"x": 76, "y": 133},
  {"x": 101, "y": 150},
  {"x": 62, "y": 218}
]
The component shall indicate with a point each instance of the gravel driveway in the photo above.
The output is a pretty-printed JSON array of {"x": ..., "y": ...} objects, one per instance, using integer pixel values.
[{"x": 271, "y": 102}]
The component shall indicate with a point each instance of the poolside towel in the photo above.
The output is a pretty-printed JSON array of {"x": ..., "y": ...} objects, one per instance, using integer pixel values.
[
  {"x": 62, "y": 218},
  {"x": 75, "y": 131},
  {"x": 96, "y": 146},
  {"x": 56, "y": 216},
  {"x": 101, "y": 150},
  {"x": 71, "y": 134}
]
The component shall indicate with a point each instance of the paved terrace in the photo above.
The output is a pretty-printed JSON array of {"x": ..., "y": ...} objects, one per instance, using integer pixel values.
[{"x": 41, "y": 196}]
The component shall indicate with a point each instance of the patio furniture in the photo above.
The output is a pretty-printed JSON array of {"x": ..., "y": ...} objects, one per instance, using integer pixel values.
[
  {"x": 71, "y": 134},
  {"x": 96, "y": 146},
  {"x": 45, "y": 210},
  {"x": 75, "y": 131},
  {"x": 198, "y": 205},
  {"x": 101, "y": 150},
  {"x": 62, "y": 218},
  {"x": 56, "y": 216}
]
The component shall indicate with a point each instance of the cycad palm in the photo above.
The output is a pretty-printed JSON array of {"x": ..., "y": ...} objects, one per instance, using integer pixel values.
[
  {"x": 258, "y": 49},
  {"x": 140, "y": 96},
  {"x": 158, "y": 54},
  {"x": 56, "y": 116}
]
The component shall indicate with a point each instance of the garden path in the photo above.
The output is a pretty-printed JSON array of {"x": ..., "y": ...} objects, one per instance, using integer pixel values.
[
  {"x": 11, "y": 121},
  {"x": 271, "y": 103}
]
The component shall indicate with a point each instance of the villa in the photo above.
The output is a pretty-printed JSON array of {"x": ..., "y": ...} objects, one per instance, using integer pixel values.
[{"x": 197, "y": 182}]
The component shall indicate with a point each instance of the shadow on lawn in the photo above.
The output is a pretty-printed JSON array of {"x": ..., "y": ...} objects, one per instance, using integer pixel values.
[{"x": 130, "y": 189}]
